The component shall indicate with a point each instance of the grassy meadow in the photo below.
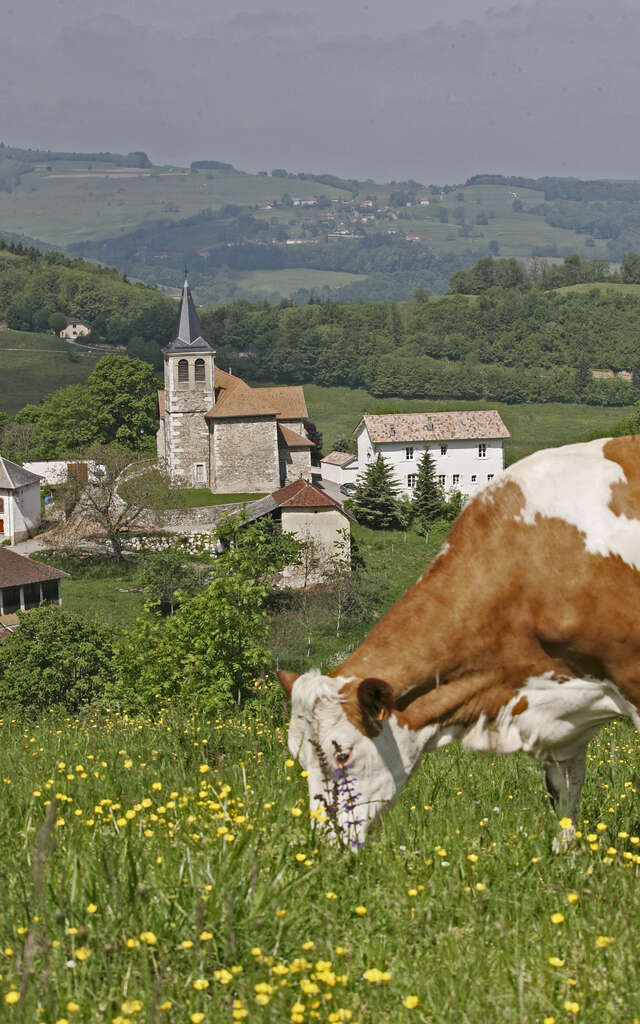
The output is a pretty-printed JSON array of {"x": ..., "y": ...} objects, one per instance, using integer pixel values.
[
  {"x": 163, "y": 869},
  {"x": 337, "y": 412},
  {"x": 34, "y": 365}
]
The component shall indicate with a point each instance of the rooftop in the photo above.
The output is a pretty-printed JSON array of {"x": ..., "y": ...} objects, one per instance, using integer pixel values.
[
  {"x": 476, "y": 424},
  {"x": 339, "y": 458},
  {"x": 285, "y": 403},
  {"x": 189, "y": 336},
  {"x": 16, "y": 570},
  {"x": 13, "y": 476},
  {"x": 301, "y": 494}
]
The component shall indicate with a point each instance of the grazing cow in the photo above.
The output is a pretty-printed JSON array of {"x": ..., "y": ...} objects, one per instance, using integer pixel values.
[{"x": 523, "y": 634}]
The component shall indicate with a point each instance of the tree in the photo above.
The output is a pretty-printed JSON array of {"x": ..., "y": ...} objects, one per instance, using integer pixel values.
[
  {"x": 56, "y": 657},
  {"x": 217, "y": 646},
  {"x": 582, "y": 376},
  {"x": 313, "y": 434},
  {"x": 57, "y": 322},
  {"x": 374, "y": 502},
  {"x": 428, "y": 499},
  {"x": 114, "y": 497},
  {"x": 122, "y": 402},
  {"x": 165, "y": 573}
]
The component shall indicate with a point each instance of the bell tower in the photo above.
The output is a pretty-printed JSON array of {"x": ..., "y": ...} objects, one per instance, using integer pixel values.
[{"x": 189, "y": 389}]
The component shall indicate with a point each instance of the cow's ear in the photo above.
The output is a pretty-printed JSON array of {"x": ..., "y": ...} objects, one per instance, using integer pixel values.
[
  {"x": 375, "y": 698},
  {"x": 287, "y": 679}
]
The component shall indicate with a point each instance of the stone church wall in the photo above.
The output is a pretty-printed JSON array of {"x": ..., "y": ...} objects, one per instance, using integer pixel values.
[{"x": 245, "y": 456}]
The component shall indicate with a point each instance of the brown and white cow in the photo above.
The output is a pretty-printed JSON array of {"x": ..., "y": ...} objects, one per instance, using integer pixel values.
[{"x": 523, "y": 635}]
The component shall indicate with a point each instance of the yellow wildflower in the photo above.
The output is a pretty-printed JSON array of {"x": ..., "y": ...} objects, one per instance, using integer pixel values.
[{"x": 410, "y": 1002}]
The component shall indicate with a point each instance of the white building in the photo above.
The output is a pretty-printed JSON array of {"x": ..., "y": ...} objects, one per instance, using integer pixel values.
[
  {"x": 466, "y": 447},
  {"x": 19, "y": 502},
  {"x": 339, "y": 467},
  {"x": 75, "y": 329}
]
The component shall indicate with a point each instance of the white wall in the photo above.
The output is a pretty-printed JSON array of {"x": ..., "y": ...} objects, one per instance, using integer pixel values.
[
  {"x": 339, "y": 474},
  {"x": 462, "y": 460},
  {"x": 21, "y": 512},
  {"x": 54, "y": 471}
]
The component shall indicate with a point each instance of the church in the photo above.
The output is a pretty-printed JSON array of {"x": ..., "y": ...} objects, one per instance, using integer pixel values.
[{"x": 216, "y": 431}]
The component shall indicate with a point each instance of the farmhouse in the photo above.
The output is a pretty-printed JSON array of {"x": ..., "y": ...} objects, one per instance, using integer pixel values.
[
  {"x": 24, "y": 584},
  {"x": 305, "y": 511},
  {"x": 75, "y": 329},
  {"x": 215, "y": 430},
  {"x": 466, "y": 447},
  {"x": 19, "y": 502}
]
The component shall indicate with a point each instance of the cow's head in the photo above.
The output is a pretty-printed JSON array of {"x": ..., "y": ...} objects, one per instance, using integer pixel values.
[{"x": 341, "y": 735}]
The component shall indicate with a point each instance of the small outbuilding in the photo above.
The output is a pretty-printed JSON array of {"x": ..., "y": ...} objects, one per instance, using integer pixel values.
[
  {"x": 19, "y": 502},
  {"x": 24, "y": 584},
  {"x": 340, "y": 468},
  {"x": 75, "y": 329}
]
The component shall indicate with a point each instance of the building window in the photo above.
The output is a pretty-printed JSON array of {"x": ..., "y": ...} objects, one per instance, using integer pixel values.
[
  {"x": 200, "y": 472},
  {"x": 474, "y": 478},
  {"x": 456, "y": 478},
  {"x": 11, "y": 600},
  {"x": 442, "y": 479},
  {"x": 199, "y": 370},
  {"x": 408, "y": 453},
  {"x": 412, "y": 480},
  {"x": 489, "y": 476},
  {"x": 183, "y": 371},
  {"x": 482, "y": 451},
  {"x": 443, "y": 449},
  {"x": 369, "y": 454},
  {"x": 31, "y": 593},
  {"x": 51, "y": 591}
]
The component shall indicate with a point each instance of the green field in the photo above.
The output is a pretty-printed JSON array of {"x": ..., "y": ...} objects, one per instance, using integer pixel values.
[
  {"x": 73, "y": 204},
  {"x": 337, "y": 412},
  {"x": 286, "y": 282},
  {"x": 164, "y": 870},
  {"x": 33, "y": 365}
]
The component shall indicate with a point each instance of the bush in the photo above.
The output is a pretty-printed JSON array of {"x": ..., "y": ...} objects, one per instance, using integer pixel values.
[{"x": 55, "y": 657}]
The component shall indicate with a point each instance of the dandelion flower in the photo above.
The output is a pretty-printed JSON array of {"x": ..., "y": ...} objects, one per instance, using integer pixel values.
[
  {"x": 410, "y": 1002},
  {"x": 12, "y": 997},
  {"x": 572, "y": 897},
  {"x": 196, "y": 1018},
  {"x": 557, "y": 918},
  {"x": 200, "y": 984},
  {"x": 360, "y": 911},
  {"x": 565, "y": 822},
  {"x": 555, "y": 961},
  {"x": 82, "y": 953},
  {"x": 91, "y": 908},
  {"x": 205, "y": 936},
  {"x": 570, "y": 1006},
  {"x": 604, "y": 940}
]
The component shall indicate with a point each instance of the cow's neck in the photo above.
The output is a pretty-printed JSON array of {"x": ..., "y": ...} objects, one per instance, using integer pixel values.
[{"x": 426, "y": 636}]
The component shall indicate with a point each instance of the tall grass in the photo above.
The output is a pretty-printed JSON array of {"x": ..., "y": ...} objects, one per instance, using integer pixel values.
[{"x": 164, "y": 869}]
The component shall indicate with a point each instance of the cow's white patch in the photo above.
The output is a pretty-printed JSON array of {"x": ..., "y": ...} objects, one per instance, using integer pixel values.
[
  {"x": 558, "y": 722},
  {"x": 574, "y": 483}
]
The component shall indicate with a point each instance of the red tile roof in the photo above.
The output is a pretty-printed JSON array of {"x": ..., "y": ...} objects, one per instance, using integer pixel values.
[
  {"x": 301, "y": 494},
  {"x": 476, "y": 424},
  {"x": 15, "y": 570},
  {"x": 339, "y": 458},
  {"x": 282, "y": 402},
  {"x": 294, "y": 440}
]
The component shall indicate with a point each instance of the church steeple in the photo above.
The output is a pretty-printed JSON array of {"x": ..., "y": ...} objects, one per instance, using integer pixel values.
[{"x": 189, "y": 337}]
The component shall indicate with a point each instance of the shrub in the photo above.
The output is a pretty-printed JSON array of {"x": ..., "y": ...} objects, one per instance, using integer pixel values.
[{"x": 55, "y": 657}]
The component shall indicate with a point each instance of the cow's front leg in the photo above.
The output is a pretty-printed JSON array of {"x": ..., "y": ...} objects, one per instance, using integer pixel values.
[{"x": 564, "y": 781}]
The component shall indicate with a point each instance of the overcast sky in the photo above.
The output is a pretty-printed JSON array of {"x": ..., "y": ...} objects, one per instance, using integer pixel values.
[{"x": 436, "y": 90}]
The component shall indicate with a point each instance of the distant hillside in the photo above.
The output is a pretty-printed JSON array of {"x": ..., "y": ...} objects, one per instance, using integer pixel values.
[{"x": 284, "y": 234}]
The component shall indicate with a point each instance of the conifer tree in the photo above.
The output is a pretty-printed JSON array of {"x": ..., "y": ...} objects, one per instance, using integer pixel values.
[
  {"x": 374, "y": 501},
  {"x": 428, "y": 499}
]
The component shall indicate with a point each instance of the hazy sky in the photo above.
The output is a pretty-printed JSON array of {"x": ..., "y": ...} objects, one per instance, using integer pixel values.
[{"x": 434, "y": 90}]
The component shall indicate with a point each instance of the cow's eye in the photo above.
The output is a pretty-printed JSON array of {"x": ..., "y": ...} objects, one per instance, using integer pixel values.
[{"x": 342, "y": 758}]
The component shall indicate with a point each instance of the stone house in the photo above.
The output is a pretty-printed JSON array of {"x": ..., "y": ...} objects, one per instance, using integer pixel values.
[
  {"x": 75, "y": 329},
  {"x": 467, "y": 448},
  {"x": 215, "y": 430},
  {"x": 19, "y": 502},
  {"x": 24, "y": 584},
  {"x": 305, "y": 511}
]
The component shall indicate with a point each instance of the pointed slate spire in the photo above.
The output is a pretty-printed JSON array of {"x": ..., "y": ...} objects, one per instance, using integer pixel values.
[{"x": 189, "y": 336}]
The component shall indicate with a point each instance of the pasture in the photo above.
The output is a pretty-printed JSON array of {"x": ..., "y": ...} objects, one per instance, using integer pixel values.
[
  {"x": 337, "y": 412},
  {"x": 164, "y": 870},
  {"x": 34, "y": 365}
]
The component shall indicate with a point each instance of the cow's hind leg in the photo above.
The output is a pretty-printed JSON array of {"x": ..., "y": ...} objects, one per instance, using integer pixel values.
[{"x": 564, "y": 781}]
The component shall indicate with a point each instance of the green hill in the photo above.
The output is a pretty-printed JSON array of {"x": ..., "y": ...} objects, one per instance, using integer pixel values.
[
  {"x": 33, "y": 365},
  {"x": 231, "y": 225}
]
